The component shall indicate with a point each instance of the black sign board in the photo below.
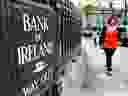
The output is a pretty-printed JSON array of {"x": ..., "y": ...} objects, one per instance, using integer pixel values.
[{"x": 29, "y": 24}]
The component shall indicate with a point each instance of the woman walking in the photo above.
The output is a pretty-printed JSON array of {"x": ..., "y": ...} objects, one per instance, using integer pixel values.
[{"x": 109, "y": 41}]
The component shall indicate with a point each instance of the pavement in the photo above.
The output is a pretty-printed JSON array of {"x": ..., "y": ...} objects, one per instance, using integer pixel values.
[{"x": 107, "y": 86}]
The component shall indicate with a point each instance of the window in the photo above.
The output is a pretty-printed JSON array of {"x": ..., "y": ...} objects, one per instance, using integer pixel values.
[
  {"x": 118, "y": 4},
  {"x": 105, "y": 4}
]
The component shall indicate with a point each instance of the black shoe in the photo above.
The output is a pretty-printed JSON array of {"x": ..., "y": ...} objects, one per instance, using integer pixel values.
[{"x": 109, "y": 73}]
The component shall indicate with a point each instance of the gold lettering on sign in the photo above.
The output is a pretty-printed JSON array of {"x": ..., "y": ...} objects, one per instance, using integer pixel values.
[
  {"x": 35, "y": 23},
  {"x": 30, "y": 52}
]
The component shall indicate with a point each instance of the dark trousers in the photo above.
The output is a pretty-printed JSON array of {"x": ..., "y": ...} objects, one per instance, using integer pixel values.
[{"x": 109, "y": 52}]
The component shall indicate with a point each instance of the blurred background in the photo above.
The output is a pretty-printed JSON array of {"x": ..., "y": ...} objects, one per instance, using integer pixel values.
[{"x": 75, "y": 23}]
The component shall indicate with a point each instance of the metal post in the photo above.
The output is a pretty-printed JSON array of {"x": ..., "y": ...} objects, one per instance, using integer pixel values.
[{"x": 4, "y": 18}]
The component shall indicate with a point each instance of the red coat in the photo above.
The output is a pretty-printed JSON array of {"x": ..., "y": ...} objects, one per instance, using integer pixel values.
[{"x": 110, "y": 40}]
